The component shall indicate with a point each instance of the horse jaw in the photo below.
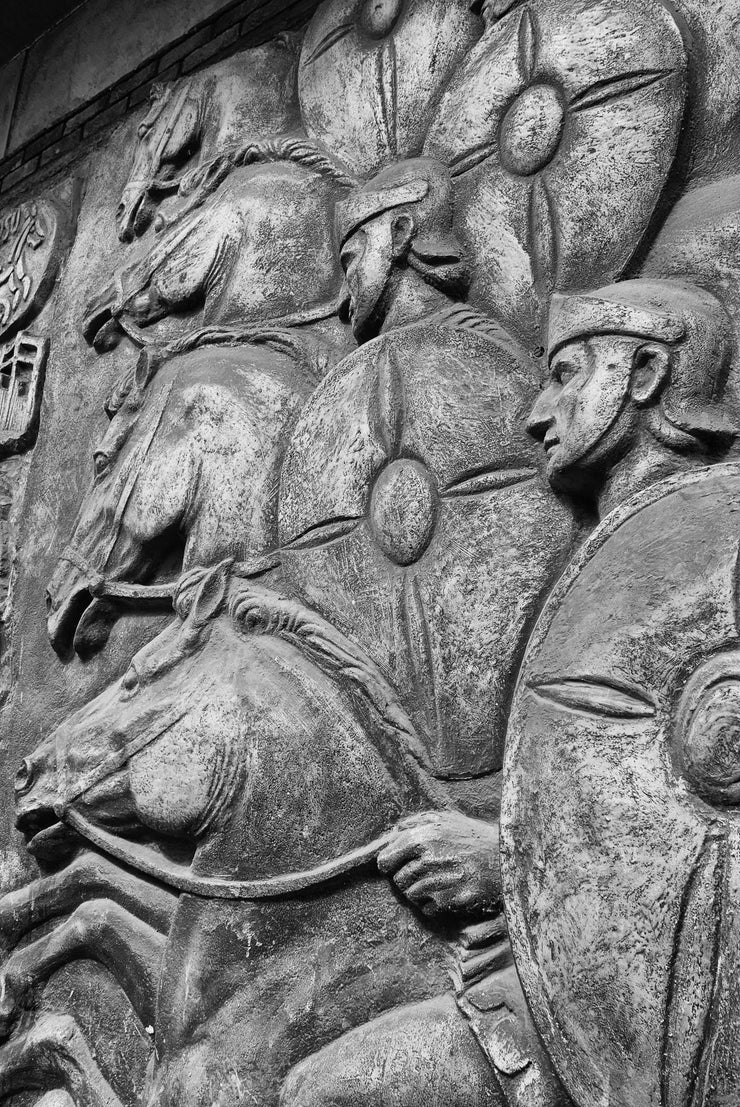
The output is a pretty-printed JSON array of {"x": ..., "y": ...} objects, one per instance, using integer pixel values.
[{"x": 47, "y": 838}]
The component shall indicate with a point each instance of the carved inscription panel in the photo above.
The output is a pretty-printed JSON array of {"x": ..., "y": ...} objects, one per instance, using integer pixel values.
[{"x": 370, "y": 650}]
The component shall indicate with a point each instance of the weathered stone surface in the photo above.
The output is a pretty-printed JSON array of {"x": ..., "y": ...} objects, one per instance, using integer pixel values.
[
  {"x": 369, "y": 646},
  {"x": 90, "y": 50},
  {"x": 10, "y": 74},
  {"x": 621, "y": 851}
]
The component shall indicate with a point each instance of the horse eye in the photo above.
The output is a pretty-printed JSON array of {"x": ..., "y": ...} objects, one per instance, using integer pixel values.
[
  {"x": 143, "y": 130},
  {"x": 101, "y": 462}
]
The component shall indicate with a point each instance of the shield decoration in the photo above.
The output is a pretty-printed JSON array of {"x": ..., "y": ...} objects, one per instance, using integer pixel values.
[
  {"x": 371, "y": 72},
  {"x": 30, "y": 238},
  {"x": 414, "y": 517},
  {"x": 560, "y": 126},
  {"x": 620, "y": 818}
]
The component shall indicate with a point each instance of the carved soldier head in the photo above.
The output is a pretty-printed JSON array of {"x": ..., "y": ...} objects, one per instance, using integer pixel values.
[
  {"x": 637, "y": 373},
  {"x": 398, "y": 249}
]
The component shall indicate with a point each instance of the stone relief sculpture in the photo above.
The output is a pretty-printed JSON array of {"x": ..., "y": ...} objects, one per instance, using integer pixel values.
[
  {"x": 630, "y": 703},
  {"x": 34, "y": 237},
  {"x": 638, "y": 388},
  {"x": 420, "y": 337}
]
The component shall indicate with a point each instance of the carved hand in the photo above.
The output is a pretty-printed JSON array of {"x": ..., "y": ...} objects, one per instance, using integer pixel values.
[{"x": 445, "y": 861}]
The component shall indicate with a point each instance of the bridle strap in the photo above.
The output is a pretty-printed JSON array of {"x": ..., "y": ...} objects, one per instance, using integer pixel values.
[
  {"x": 98, "y": 584},
  {"x": 121, "y": 757},
  {"x": 102, "y": 587},
  {"x": 176, "y": 876},
  {"x": 175, "y": 106},
  {"x": 210, "y": 887}
]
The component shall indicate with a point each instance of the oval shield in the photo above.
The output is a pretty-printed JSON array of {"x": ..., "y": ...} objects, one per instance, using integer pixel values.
[
  {"x": 413, "y": 516},
  {"x": 371, "y": 73},
  {"x": 544, "y": 125},
  {"x": 620, "y": 829}
]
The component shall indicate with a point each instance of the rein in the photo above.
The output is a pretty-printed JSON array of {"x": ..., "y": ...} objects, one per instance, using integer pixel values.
[
  {"x": 211, "y": 887},
  {"x": 102, "y": 587},
  {"x": 269, "y": 332},
  {"x": 174, "y": 876}
]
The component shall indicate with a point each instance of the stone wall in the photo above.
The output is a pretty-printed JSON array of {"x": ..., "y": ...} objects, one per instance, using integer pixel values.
[{"x": 89, "y": 71}]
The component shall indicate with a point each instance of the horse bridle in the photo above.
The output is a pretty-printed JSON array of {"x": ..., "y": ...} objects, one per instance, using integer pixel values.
[
  {"x": 99, "y": 585},
  {"x": 152, "y": 864},
  {"x": 153, "y": 183},
  {"x": 103, "y": 587}
]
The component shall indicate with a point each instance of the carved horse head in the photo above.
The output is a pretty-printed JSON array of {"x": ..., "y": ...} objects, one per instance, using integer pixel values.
[
  {"x": 190, "y": 122},
  {"x": 189, "y": 473},
  {"x": 168, "y": 136},
  {"x": 250, "y": 723}
]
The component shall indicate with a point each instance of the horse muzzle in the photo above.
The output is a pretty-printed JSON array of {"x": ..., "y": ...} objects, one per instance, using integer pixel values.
[
  {"x": 47, "y": 838},
  {"x": 81, "y": 624},
  {"x": 134, "y": 215},
  {"x": 65, "y": 613}
]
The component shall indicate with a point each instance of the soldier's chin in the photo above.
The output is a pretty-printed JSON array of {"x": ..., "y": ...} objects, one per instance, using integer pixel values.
[
  {"x": 574, "y": 479},
  {"x": 366, "y": 321}
]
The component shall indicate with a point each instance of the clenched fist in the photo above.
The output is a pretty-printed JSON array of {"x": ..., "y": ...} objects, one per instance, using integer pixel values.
[{"x": 445, "y": 861}]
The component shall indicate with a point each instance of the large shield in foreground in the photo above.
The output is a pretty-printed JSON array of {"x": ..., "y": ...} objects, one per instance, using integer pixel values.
[{"x": 621, "y": 806}]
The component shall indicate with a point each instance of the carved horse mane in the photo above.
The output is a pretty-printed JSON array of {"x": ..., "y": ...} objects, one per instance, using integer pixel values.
[
  {"x": 254, "y": 611},
  {"x": 201, "y": 116}
]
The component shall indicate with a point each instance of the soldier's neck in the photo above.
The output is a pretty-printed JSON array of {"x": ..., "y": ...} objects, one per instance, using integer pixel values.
[
  {"x": 413, "y": 300},
  {"x": 641, "y": 468}
]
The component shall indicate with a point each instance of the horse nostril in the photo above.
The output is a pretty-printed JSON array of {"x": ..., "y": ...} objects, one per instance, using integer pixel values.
[
  {"x": 24, "y": 777},
  {"x": 49, "y": 601}
]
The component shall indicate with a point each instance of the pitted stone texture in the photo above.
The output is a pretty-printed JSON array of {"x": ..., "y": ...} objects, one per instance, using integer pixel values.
[
  {"x": 554, "y": 104},
  {"x": 403, "y": 510},
  {"x": 413, "y": 514},
  {"x": 609, "y": 856},
  {"x": 371, "y": 74}
]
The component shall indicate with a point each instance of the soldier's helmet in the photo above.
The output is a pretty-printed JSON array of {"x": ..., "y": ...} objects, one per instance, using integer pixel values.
[
  {"x": 699, "y": 399},
  {"x": 423, "y": 188}
]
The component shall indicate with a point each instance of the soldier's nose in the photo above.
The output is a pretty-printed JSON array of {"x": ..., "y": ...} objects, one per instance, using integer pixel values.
[{"x": 540, "y": 417}]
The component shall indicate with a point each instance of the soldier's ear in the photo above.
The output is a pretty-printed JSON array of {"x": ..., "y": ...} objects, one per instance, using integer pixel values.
[
  {"x": 651, "y": 365},
  {"x": 403, "y": 228}
]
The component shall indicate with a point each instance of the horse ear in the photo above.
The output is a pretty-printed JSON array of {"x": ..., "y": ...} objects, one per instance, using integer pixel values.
[{"x": 202, "y": 592}]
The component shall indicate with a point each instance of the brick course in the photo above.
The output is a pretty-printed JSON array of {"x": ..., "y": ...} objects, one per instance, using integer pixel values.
[{"x": 240, "y": 26}]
